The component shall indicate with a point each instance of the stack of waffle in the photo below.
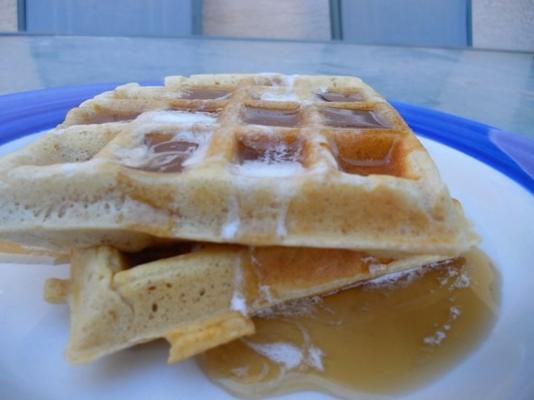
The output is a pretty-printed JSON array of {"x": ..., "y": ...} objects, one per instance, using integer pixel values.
[{"x": 188, "y": 208}]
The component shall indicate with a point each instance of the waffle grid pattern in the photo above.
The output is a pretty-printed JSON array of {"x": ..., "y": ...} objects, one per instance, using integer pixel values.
[
  {"x": 250, "y": 159},
  {"x": 306, "y": 124}
]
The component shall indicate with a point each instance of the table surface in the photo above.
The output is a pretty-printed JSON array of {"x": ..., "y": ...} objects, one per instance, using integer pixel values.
[{"x": 494, "y": 87}]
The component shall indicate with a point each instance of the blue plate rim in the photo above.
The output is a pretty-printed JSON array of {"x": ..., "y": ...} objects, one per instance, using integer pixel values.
[{"x": 25, "y": 113}]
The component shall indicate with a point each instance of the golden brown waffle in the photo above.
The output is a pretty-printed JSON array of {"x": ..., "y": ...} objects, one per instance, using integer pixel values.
[
  {"x": 200, "y": 298},
  {"x": 316, "y": 161}
]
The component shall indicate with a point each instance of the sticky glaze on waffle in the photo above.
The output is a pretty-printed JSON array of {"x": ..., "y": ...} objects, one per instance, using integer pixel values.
[{"x": 316, "y": 161}]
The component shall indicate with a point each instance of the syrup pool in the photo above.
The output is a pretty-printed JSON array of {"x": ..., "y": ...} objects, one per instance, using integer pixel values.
[{"x": 384, "y": 337}]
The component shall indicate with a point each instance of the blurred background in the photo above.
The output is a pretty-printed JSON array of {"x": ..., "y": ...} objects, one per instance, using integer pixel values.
[
  {"x": 473, "y": 58},
  {"x": 487, "y": 24}
]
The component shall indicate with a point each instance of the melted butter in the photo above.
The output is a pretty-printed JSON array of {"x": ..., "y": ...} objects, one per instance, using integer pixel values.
[{"x": 373, "y": 339}]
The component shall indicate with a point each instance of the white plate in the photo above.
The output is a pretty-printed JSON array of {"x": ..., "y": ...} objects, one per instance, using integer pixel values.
[{"x": 33, "y": 334}]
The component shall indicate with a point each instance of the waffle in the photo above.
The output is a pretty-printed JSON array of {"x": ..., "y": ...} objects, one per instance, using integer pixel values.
[
  {"x": 261, "y": 160},
  {"x": 197, "y": 297}
]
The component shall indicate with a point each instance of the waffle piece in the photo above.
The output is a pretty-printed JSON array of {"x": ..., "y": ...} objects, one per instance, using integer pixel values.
[
  {"x": 200, "y": 298},
  {"x": 13, "y": 253},
  {"x": 316, "y": 161}
]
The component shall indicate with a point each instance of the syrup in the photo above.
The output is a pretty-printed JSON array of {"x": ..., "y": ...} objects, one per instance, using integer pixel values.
[
  {"x": 340, "y": 97},
  {"x": 366, "y": 154},
  {"x": 345, "y": 118},
  {"x": 169, "y": 153},
  {"x": 378, "y": 338},
  {"x": 269, "y": 150},
  {"x": 270, "y": 117},
  {"x": 204, "y": 94}
]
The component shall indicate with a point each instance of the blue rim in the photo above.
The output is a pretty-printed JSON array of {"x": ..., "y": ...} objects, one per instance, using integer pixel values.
[{"x": 22, "y": 114}]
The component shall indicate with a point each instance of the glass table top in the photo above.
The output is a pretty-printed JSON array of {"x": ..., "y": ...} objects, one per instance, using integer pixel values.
[{"x": 493, "y": 87}]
